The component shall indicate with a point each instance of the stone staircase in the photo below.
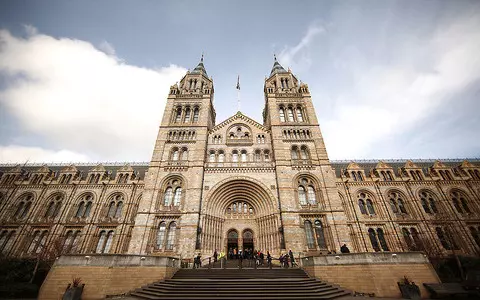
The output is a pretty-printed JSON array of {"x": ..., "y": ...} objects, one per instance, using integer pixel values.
[{"x": 242, "y": 284}]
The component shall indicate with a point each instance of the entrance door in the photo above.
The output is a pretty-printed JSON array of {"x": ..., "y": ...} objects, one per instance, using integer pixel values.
[
  {"x": 232, "y": 243},
  {"x": 248, "y": 241}
]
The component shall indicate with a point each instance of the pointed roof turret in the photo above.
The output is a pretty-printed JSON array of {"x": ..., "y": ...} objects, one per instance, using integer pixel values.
[
  {"x": 200, "y": 68},
  {"x": 277, "y": 68}
]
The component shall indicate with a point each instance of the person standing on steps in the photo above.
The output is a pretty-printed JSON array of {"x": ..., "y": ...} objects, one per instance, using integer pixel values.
[
  {"x": 292, "y": 259},
  {"x": 215, "y": 255},
  {"x": 269, "y": 260}
]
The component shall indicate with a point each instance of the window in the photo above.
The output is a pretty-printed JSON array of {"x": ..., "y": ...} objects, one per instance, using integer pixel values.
[
  {"x": 115, "y": 207},
  {"x": 240, "y": 207},
  {"x": 428, "y": 202},
  {"x": 184, "y": 153},
  {"x": 266, "y": 154},
  {"x": 319, "y": 234},
  {"x": 302, "y": 197},
  {"x": 446, "y": 238},
  {"x": 306, "y": 191},
  {"x": 54, "y": 206},
  {"x": 364, "y": 199},
  {"x": 309, "y": 234},
  {"x": 23, "y": 206},
  {"x": 84, "y": 207},
  {"x": 161, "y": 235},
  {"x": 221, "y": 157},
  {"x": 282, "y": 114},
  {"x": 104, "y": 241},
  {"x": 244, "y": 156},
  {"x": 258, "y": 156},
  {"x": 178, "y": 115},
  {"x": 196, "y": 113},
  {"x": 6, "y": 239},
  {"x": 212, "y": 156},
  {"x": 294, "y": 152},
  {"x": 475, "y": 232},
  {"x": 304, "y": 152},
  {"x": 175, "y": 154},
  {"x": 167, "y": 199},
  {"x": 177, "y": 196},
  {"x": 381, "y": 238},
  {"x": 396, "y": 203},
  {"x": 173, "y": 192},
  {"x": 460, "y": 202},
  {"x": 187, "y": 115},
  {"x": 299, "y": 114},
  {"x": 290, "y": 114},
  {"x": 171, "y": 236},
  {"x": 408, "y": 239},
  {"x": 235, "y": 156},
  {"x": 373, "y": 239},
  {"x": 71, "y": 241}
]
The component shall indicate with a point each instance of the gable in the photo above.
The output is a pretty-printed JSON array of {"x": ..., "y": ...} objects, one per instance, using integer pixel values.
[{"x": 239, "y": 118}]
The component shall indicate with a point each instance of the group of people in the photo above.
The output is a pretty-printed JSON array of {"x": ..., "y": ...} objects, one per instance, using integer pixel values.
[{"x": 286, "y": 258}]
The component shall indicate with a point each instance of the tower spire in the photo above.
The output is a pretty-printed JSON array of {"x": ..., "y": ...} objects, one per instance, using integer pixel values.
[
  {"x": 277, "y": 68},
  {"x": 200, "y": 68}
]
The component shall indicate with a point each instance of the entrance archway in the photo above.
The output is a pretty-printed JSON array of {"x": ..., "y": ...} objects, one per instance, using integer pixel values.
[
  {"x": 232, "y": 241},
  {"x": 247, "y": 237}
]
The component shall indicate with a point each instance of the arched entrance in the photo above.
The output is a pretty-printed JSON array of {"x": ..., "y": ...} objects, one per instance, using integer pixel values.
[
  {"x": 232, "y": 240},
  {"x": 247, "y": 237}
]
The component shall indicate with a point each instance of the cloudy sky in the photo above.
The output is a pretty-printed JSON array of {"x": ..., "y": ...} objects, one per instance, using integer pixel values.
[{"x": 88, "y": 80}]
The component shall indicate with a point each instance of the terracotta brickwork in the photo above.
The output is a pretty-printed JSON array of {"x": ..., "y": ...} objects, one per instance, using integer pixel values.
[{"x": 240, "y": 184}]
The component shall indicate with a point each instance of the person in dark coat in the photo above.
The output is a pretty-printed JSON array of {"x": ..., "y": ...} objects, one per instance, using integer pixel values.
[
  {"x": 269, "y": 259},
  {"x": 292, "y": 259},
  {"x": 344, "y": 249},
  {"x": 215, "y": 255}
]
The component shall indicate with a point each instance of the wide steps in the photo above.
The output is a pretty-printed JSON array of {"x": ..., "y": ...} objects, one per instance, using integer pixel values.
[{"x": 233, "y": 284}]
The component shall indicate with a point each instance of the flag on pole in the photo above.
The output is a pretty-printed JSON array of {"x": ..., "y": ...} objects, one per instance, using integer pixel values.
[{"x": 238, "y": 82}]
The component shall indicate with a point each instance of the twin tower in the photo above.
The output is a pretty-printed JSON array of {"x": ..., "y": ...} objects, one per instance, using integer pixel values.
[{"x": 239, "y": 184}]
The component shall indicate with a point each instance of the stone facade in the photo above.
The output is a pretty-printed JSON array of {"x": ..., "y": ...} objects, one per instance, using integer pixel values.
[{"x": 240, "y": 184}]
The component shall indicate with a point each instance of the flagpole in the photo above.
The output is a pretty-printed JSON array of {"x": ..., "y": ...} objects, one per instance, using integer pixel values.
[{"x": 238, "y": 93}]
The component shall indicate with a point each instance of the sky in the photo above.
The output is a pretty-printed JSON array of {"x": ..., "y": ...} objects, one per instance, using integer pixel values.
[{"x": 87, "y": 81}]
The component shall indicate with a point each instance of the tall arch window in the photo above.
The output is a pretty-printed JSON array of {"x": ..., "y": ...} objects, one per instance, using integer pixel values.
[
  {"x": 221, "y": 157},
  {"x": 365, "y": 204},
  {"x": 320, "y": 235},
  {"x": 54, "y": 206},
  {"x": 306, "y": 191},
  {"x": 428, "y": 202},
  {"x": 243, "y": 156},
  {"x": 460, "y": 202},
  {"x": 212, "y": 156},
  {"x": 475, "y": 232},
  {"x": 71, "y": 241},
  {"x": 309, "y": 234},
  {"x": 6, "y": 238},
  {"x": 196, "y": 113},
  {"x": 184, "y": 153},
  {"x": 161, "y": 235},
  {"x": 172, "y": 228},
  {"x": 373, "y": 239},
  {"x": 408, "y": 239},
  {"x": 294, "y": 152},
  {"x": 304, "y": 152},
  {"x": 302, "y": 195},
  {"x": 173, "y": 192},
  {"x": 444, "y": 237},
  {"x": 290, "y": 114},
  {"x": 381, "y": 238},
  {"x": 178, "y": 115},
  {"x": 235, "y": 156},
  {"x": 84, "y": 207},
  {"x": 39, "y": 242},
  {"x": 396, "y": 203},
  {"x": 281, "y": 112},
  {"x": 187, "y": 115},
  {"x": 299, "y": 114},
  {"x": 175, "y": 154},
  {"x": 115, "y": 207},
  {"x": 23, "y": 207},
  {"x": 105, "y": 241},
  {"x": 258, "y": 156}
]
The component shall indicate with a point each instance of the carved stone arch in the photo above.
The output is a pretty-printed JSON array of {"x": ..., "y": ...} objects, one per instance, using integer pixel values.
[
  {"x": 467, "y": 204},
  {"x": 396, "y": 190},
  {"x": 240, "y": 187},
  {"x": 400, "y": 195}
]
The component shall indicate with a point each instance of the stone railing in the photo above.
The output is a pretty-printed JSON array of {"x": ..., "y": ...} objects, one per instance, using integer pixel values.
[{"x": 117, "y": 260}]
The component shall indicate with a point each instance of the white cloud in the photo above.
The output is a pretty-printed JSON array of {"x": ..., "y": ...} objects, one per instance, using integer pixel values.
[
  {"x": 80, "y": 99},
  {"x": 19, "y": 154},
  {"x": 298, "y": 56},
  {"x": 388, "y": 99}
]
